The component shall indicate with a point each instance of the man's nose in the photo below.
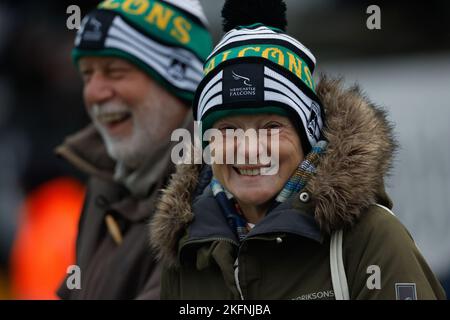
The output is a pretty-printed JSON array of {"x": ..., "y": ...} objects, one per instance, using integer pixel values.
[{"x": 97, "y": 90}]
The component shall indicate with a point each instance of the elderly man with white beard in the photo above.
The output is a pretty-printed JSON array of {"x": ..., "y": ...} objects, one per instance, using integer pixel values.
[{"x": 140, "y": 63}]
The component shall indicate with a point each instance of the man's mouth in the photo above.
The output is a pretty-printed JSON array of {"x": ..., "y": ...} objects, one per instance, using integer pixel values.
[{"x": 113, "y": 118}]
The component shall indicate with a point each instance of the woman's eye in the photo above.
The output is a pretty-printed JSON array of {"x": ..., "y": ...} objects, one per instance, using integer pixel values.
[
  {"x": 224, "y": 129},
  {"x": 273, "y": 125}
]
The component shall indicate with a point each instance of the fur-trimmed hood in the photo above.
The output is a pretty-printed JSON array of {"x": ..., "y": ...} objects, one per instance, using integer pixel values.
[{"x": 350, "y": 176}]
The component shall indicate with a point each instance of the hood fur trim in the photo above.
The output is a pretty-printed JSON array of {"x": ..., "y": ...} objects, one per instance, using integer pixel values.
[
  {"x": 360, "y": 152},
  {"x": 173, "y": 212},
  {"x": 350, "y": 176}
]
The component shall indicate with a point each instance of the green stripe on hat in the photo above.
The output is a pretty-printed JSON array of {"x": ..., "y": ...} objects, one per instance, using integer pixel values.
[{"x": 275, "y": 53}]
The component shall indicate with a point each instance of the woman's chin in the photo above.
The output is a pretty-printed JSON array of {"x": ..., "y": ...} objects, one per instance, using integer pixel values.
[{"x": 252, "y": 195}]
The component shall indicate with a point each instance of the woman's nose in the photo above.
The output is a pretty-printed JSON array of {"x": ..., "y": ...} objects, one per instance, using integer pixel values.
[{"x": 247, "y": 148}]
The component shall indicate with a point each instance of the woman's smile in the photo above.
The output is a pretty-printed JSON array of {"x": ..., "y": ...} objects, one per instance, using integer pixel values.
[{"x": 255, "y": 185}]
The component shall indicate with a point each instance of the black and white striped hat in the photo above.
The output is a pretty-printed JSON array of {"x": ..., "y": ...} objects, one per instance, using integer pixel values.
[{"x": 168, "y": 39}]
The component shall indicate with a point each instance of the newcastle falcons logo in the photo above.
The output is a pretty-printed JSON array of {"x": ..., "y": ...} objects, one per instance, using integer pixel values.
[
  {"x": 239, "y": 77},
  {"x": 243, "y": 82},
  {"x": 177, "y": 69},
  {"x": 313, "y": 121},
  {"x": 95, "y": 33}
]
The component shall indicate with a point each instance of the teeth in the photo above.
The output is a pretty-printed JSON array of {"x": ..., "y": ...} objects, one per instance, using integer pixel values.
[
  {"x": 249, "y": 172},
  {"x": 112, "y": 117}
]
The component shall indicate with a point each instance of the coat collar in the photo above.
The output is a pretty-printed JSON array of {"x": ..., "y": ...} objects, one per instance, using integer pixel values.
[
  {"x": 349, "y": 178},
  {"x": 86, "y": 151},
  {"x": 210, "y": 222}
]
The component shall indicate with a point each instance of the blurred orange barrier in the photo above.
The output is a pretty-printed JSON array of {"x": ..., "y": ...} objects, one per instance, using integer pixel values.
[
  {"x": 45, "y": 243},
  {"x": 4, "y": 285}
]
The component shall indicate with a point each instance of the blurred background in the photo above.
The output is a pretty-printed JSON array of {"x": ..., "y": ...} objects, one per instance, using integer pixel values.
[{"x": 404, "y": 67}]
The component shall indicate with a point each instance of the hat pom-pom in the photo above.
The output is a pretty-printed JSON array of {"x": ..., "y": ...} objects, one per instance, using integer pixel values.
[{"x": 271, "y": 13}]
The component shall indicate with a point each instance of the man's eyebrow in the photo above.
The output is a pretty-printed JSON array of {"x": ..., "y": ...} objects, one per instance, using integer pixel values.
[
  {"x": 84, "y": 66},
  {"x": 116, "y": 63},
  {"x": 107, "y": 63}
]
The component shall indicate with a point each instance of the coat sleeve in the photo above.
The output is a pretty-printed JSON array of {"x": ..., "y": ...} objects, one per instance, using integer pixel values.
[
  {"x": 383, "y": 262},
  {"x": 63, "y": 292},
  {"x": 152, "y": 288},
  {"x": 170, "y": 284}
]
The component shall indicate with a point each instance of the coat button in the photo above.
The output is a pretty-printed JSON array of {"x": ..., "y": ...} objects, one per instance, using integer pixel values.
[
  {"x": 279, "y": 240},
  {"x": 304, "y": 197}
]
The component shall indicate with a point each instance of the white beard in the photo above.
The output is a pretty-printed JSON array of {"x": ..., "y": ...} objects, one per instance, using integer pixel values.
[{"x": 146, "y": 139}]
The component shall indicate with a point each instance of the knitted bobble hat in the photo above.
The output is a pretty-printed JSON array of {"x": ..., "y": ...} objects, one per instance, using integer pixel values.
[
  {"x": 258, "y": 68},
  {"x": 167, "y": 39}
]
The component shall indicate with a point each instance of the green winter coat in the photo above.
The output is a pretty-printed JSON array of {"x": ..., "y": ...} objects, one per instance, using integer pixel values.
[{"x": 287, "y": 254}]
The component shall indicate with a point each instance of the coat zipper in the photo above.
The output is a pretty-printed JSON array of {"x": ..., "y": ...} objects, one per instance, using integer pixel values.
[
  {"x": 236, "y": 266},
  {"x": 236, "y": 263},
  {"x": 236, "y": 278}
]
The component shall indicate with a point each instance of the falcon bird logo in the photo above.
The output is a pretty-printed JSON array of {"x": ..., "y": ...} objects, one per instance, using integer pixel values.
[{"x": 239, "y": 77}]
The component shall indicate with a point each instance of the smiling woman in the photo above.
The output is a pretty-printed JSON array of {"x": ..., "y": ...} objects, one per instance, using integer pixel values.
[
  {"x": 254, "y": 191},
  {"x": 229, "y": 232}
]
